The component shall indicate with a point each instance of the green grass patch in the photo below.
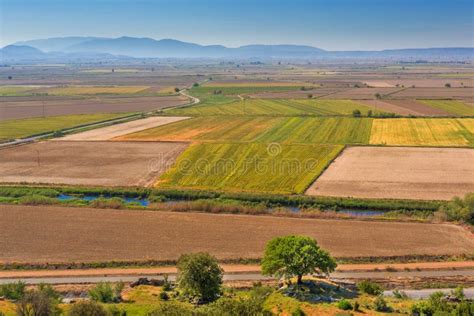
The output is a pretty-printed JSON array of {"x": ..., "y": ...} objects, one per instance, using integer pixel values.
[
  {"x": 249, "y": 167},
  {"x": 319, "y": 131},
  {"x": 280, "y": 107},
  {"x": 450, "y": 106},
  {"x": 14, "y": 91},
  {"x": 32, "y": 126}
]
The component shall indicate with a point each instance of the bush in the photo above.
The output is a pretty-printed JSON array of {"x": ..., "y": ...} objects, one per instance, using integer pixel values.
[
  {"x": 172, "y": 309},
  {"x": 37, "y": 200},
  {"x": 400, "y": 295},
  {"x": 13, "y": 291},
  {"x": 298, "y": 312},
  {"x": 115, "y": 311},
  {"x": 369, "y": 287},
  {"x": 38, "y": 304},
  {"x": 356, "y": 306},
  {"x": 114, "y": 203},
  {"x": 344, "y": 305},
  {"x": 87, "y": 308},
  {"x": 164, "y": 296},
  {"x": 104, "y": 292},
  {"x": 199, "y": 276},
  {"x": 380, "y": 305},
  {"x": 356, "y": 113},
  {"x": 459, "y": 209}
]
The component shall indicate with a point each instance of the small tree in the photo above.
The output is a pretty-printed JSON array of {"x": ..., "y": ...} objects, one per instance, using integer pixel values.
[
  {"x": 291, "y": 256},
  {"x": 447, "y": 85},
  {"x": 199, "y": 276},
  {"x": 378, "y": 96},
  {"x": 37, "y": 303},
  {"x": 195, "y": 84},
  {"x": 356, "y": 113},
  {"x": 310, "y": 96},
  {"x": 176, "y": 89}
]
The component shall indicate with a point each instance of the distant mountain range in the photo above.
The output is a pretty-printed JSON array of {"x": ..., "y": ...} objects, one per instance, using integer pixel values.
[{"x": 96, "y": 48}]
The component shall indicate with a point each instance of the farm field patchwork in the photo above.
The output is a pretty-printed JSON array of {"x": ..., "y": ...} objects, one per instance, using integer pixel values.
[
  {"x": 54, "y": 106},
  {"x": 122, "y": 235},
  {"x": 305, "y": 130},
  {"x": 23, "y": 128},
  {"x": 278, "y": 108},
  {"x": 19, "y": 90},
  {"x": 87, "y": 163},
  {"x": 423, "y": 132},
  {"x": 435, "y": 93},
  {"x": 249, "y": 167},
  {"x": 398, "y": 172},
  {"x": 452, "y": 107}
]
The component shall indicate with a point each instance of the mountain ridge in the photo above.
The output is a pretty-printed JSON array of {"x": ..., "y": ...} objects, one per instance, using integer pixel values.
[{"x": 145, "y": 47}]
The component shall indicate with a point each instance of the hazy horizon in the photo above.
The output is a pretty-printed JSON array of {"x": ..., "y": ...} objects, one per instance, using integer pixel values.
[{"x": 338, "y": 25}]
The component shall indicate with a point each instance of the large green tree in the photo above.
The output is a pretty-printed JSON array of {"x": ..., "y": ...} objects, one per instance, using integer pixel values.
[
  {"x": 199, "y": 276},
  {"x": 291, "y": 256}
]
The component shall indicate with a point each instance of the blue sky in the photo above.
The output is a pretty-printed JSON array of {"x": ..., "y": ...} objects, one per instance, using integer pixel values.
[{"x": 328, "y": 24}]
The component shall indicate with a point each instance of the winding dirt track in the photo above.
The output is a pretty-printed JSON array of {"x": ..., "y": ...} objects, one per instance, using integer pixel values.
[{"x": 58, "y": 234}]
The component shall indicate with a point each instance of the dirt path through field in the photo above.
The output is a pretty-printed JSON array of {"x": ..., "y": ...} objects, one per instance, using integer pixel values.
[{"x": 228, "y": 268}]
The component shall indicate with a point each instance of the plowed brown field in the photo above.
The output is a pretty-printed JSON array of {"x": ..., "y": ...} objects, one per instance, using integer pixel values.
[{"x": 59, "y": 234}]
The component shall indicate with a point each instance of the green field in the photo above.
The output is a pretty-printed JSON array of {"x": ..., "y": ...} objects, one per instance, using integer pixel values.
[
  {"x": 450, "y": 106},
  {"x": 249, "y": 167},
  {"x": 313, "y": 130},
  {"x": 305, "y": 130},
  {"x": 26, "y": 127},
  {"x": 293, "y": 107}
]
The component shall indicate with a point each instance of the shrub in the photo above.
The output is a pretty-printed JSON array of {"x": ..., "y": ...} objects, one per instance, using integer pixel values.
[
  {"x": 344, "y": 305},
  {"x": 38, "y": 304},
  {"x": 164, "y": 296},
  {"x": 298, "y": 312},
  {"x": 115, "y": 311},
  {"x": 87, "y": 308},
  {"x": 37, "y": 200},
  {"x": 114, "y": 203},
  {"x": 459, "y": 209},
  {"x": 104, "y": 292},
  {"x": 356, "y": 306},
  {"x": 13, "y": 291},
  {"x": 356, "y": 113},
  {"x": 421, "y": 308},
  {"x": 166, "y": 284},
  {"x": 199, "y": 276},
  {"x": 400, "y": 295},
  {"x": 380, "y": 305},
  {"x": 369, "y": 287},
  {"x": 176, "y": 89},
  {"x": 172, "y": 309}
]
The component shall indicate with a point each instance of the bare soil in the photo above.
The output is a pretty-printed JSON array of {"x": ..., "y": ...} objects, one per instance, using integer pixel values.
[
  {"x": 10, "y": 110},
  {"x": 88, "y": 163},
  {"x": 40, "y": 234},
  {"x": 405, "y": 107},
  {"x": 109, "y": 132},
  {"x": 398, "y": 172},
  {"x": 436, "y": 93}
]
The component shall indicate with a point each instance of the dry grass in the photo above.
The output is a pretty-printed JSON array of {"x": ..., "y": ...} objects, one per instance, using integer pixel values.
[{"x": 57, "y": 234}]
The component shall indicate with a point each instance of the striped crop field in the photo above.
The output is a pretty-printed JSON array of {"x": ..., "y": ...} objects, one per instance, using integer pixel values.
[
  {"x": 423, "y": 132},
  {"x": 244, "y": 89},
  {"x": 31, "y": 126},
  {"x": 451, "y": 106},
  {"x": 277, "y": 107},
  {"x": 249, "y": 167},
  {"x": 312, "y": 130},
  {"x": 92, "y": 90},
  {"x": 212, "y": 128},
  {"x": 287, "y": 130}
]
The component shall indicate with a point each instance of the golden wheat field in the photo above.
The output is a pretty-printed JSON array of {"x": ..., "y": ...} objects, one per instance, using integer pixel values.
[{"x": 423, "y": 132}]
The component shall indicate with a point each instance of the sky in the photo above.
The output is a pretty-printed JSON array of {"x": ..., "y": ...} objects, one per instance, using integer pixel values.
[{"x": 327, "y": 24}]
